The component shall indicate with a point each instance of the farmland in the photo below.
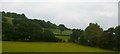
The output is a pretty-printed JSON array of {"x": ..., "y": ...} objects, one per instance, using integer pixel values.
[{"x": 12, "y": 46}]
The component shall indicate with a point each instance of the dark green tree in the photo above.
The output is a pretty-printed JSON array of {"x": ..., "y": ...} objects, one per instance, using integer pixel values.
[
  {"x": 108, "y": 40},
  {"x": 92, "y": 34},
  {"x": 61, "y": 27},
  {"x": 28, "y": 30},
  {"x": 117, "y": 35},
  {"x": 49, "y": 36},
  {"x": 75, "y": 36}
]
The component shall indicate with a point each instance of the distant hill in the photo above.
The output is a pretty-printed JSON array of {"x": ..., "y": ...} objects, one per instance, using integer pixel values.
[{"x": 19, "y": 27}]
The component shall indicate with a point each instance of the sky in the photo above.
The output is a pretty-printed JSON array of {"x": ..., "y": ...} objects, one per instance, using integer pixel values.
[{"x": 72, "y": 13}]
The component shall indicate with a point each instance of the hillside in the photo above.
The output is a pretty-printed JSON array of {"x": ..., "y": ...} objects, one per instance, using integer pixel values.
[{"x": 19, "y": 27}]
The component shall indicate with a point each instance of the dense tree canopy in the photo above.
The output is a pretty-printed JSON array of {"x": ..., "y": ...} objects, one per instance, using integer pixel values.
[
  {"x": 92, "y": 33},
  {"x": 95, "y": 36},
  {"x": 76, "y": 34}
]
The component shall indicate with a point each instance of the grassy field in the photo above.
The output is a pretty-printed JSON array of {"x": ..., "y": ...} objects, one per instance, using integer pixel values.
[
  {"x": 9, "y": 46},
  {"x": 63, "y": 37},
  {"x": 65, "y": 32},
  {"x": 0, "y": 46}
]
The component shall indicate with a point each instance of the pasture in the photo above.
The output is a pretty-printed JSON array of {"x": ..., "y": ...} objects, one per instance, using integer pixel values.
[
  {"x": 12, "y": 46},
  {"x": 65, "y": 32},
  {"x": 63, "y": 37}
]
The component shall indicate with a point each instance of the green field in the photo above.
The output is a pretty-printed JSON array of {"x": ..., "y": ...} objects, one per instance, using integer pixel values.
[
  {"x": 65, "y": 32},
  {"x": 9, "y": 46},
  {"x": 63, "y": 37},
  {"x": 0, "y": 46}
]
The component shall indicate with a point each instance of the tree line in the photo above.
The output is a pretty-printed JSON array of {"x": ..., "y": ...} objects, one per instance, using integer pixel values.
[{"x": 95, "y": 36}]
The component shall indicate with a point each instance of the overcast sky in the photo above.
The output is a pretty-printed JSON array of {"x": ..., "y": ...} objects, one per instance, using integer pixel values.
[{"x": 71, "y": 14}]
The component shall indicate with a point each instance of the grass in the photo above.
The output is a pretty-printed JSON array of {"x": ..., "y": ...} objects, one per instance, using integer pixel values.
[
  {"x": 63, "y": 37},
  {"x": 0, "y": 46},
  {"x": 10, "y": 46},
  {"x": 65, "y": 32}
]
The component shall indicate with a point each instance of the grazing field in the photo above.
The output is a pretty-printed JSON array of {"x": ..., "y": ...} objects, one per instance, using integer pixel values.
[
  {"x": 63, "y": 37},
  {"x": 65, "y": 32},
  {"x": 9, "y": 46}
]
